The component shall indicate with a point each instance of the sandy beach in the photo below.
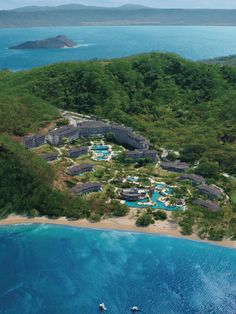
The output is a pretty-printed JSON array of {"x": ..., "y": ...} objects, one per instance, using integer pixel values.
[{"x": 127, "y": 223}]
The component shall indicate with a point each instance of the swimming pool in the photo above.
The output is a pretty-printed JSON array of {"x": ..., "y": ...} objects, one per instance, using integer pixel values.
[
  {"x": 100, "y": 147},
  {"x": 133, "y": 179},
  {"x": 168, "y": 189},
  {"x": 102, "y": 155},
  {"x": 155, "y": 199}
]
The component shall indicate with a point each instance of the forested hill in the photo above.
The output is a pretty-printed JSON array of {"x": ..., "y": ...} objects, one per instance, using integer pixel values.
[
  {"x": 177, "y": 103},
  {"x": 73, "y": 15},
  {"x": 228, "y": 60},
  {"x": 20, "y": 111}
]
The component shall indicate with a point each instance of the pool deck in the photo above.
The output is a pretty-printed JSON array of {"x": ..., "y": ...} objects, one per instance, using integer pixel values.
[
  {"x": 101, "y": 152},
  {"x": 156, "y": 201}
]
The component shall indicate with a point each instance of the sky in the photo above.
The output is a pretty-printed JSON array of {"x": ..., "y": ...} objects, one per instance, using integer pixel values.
[{"x": 213, "y": 4}]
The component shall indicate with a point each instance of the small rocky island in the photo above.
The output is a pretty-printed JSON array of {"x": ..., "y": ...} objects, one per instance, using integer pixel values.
[{"x": 60, "y": 41}]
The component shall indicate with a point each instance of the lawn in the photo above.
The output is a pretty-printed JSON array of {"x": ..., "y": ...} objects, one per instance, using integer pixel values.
[{"x": 233, "y": 198}]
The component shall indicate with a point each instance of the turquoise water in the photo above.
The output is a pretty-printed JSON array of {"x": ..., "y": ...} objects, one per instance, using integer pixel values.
[
  {"x": 193, "y": 42},
  {"x": 168, "y": 189},
  {"x": 102, "y": 151},
  {"x": 100, "y": 147},
  {"x": 155, "y": 198},
  {"x": 57, "y": 270},
  {"x": 133, "y": 179},
  {"x": 104, "y": 154}
]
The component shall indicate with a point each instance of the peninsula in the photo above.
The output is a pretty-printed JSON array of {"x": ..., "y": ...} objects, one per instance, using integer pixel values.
[{"x": 57, "y": 42}]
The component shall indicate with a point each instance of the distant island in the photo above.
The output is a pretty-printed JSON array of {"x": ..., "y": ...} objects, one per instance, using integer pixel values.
[
  {"x": 60, "y": 41},
  {"x": 80, "y": 15}
]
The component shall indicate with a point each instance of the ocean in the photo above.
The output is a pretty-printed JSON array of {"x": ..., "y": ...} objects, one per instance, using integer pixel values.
[
  {"x": 104, "y": 42},
  {"x": 56, "y": 270},
  {"x": 49, "y": 269}
]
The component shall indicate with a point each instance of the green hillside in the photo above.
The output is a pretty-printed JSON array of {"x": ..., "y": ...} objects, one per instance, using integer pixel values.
[
  {"x": 178, "y": 104},
  {"x": 26, "y": 185},
  {"x": 22, "y": 112},
  {"x": 228, "y": 60}
]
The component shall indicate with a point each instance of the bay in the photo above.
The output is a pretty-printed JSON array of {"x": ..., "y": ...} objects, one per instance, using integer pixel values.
[
  {"x": 56, "y": 269},
  {"x": 104, "y": 42}
]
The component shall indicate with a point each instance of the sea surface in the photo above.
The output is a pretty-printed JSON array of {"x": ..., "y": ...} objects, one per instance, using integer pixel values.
[
  {"x": 103, "y": 42},
  {"x": 55, "y": 269}
]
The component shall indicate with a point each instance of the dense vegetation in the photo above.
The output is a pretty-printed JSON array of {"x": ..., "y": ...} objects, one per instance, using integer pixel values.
[
  {"x": 228, "y": 60},
  {"x": 207, "y": 224},
  {"x": 27, "y": 185},
  {"x": 21, "y": 112},
  {"x": 178, "y": 104}
]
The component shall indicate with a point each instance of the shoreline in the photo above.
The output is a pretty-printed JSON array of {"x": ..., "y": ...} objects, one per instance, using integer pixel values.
[{"x": 119, "y": 224}]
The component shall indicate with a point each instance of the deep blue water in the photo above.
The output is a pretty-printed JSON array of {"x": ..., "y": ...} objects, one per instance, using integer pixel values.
[
  {"x": 55, "y": 269},
  {"x": 193, "y": 42}
]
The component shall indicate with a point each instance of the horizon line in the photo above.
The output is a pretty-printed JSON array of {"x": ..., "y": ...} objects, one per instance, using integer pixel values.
[{"x": 116, "y": 7}]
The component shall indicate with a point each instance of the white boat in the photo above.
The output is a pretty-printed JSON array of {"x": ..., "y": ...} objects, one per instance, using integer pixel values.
[
  {"x": 134, "y": 309},
  {"x": 102, "y": 307}
]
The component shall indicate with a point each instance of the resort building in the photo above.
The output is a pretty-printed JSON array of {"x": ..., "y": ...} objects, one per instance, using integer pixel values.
[
  {"x": 175, "y": 166},
  {"x": 142, "y": 153},
  {"x": 133, "y": 194},
  {"x": 87, "y": 188},
  {"x": 50, "y": 156},
  {"x": 125, "y": 135},
  {"x": 211, "y": 191},
  {"x": 33, "y": 141},
  {"x": 137, "y": 141},
  {"x": 67, "y": 132},
  {"x": 133, "y": 155},
  {"x": 79, "y": 169},
  {"x": 78, "y": 151},
  {"x": 193, "y": 178},
  {"x": 207, "y": 204},
  {"x": 93, "y": 129}
]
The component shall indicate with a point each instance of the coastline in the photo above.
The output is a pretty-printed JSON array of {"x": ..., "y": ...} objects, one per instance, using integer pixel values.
[{"x": 120, "y": 224}]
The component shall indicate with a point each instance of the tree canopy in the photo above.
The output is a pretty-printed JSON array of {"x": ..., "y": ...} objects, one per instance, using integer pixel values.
[{"x": 178, "y": 104}]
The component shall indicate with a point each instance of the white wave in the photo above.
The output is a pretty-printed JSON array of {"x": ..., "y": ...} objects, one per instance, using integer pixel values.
[{"x": 80, "y": 46}]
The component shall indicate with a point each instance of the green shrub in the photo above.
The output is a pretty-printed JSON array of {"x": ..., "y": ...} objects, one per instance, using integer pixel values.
[
  {"x": 215, "y": 234},
  {"x": 94, "y": 217},
  {"x": 144, "y": 220},
  {"x": 160, "y": 215},
  {"x": 117, "y": 209}
]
